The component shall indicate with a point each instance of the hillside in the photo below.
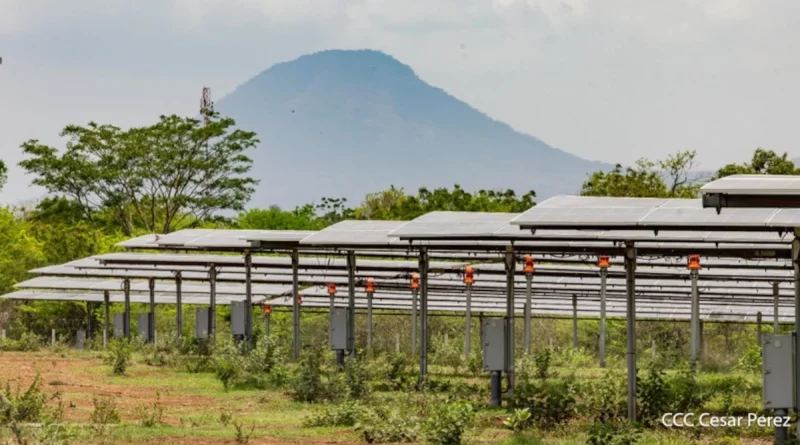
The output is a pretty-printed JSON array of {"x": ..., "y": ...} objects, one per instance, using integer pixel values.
[{"x": 344, "y": 123}]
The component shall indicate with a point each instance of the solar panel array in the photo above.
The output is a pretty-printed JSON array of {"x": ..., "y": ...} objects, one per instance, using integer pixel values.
[{"x": 754, "y": 185}]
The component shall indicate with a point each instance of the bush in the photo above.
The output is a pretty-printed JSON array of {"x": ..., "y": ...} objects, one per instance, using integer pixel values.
[
  {"x": 604, "y": 399},
  {"x": 542, "y": 361},
  {"x": 447, "y": 422},
  {"x": 519, "y": 420},
  {"x": 226, "y": 370},
  {"x": 346, "y": 414},
  {"x": 654, "y": 396},
  {"x": 307, "y": 385},
  {"x": 150, "y": 416},
  {"x": 448, "y": 353},
  {"x": 613, "y": 433},
  {"x": 550, "y": 402},
  {"x": 357, "y": 377},
  {"x": 19, "y": 410},
  {"x": 688, "y": 395},
  {"x": 25, "y": 406},
  {"x": 105, "y": 411},
  {"x": 118, "y": 355},
  {"x": 574, "y": 358},
  {"x": 751, "y": 360}
]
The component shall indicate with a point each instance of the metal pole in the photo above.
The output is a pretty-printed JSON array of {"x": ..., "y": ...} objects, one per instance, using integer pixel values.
[
  {"x": 695, "y": 320},
  {"x": 88, "y": 319},
  {"x": 414, "y": 297},
  {"x": 630, "y": 288},
  {"x": 528, "y": 309},
  {"x": 758, "y": 329},
  {"x": 369, "y": 321},
  {"x": 468, "y": 330},
  {"x": 106, "y": 311},
  {"x": 423, "y": 278},
  {"x": 179, "y": 305},
  {"x": 796, "y": 263},
  {"x": 212, "y": 307},
  {"x": 126, "y": 318},
  {"x": 781, "y": 432},
  {"x": 575, "y": 321},
  {"x": 603, "y": 279},
  {"x": 775, "y": 319},
  {"x": 351, "y": 303},
  {"x": 248, "y": 303},
  {"x": 151, "y": 331},
  {"x": 510, "y": 271},
  {"x": 295, "y": 306},
  {"x": 266, "y": 325}
]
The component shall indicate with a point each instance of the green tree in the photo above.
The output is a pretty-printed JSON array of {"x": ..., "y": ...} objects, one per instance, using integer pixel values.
[
  {"x": 274, "y": 218},
  {"x": 669, "y": 178},
  {"x": 3, "y": 174},
  {"x": 764, "y": 162},
  {"x": 175, "y": 172}
]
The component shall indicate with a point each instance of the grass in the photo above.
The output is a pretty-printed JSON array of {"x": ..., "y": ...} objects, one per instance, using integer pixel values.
[{"x": 193, "y": 403}]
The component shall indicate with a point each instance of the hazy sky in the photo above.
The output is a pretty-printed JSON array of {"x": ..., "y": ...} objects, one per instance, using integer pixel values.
[{"x": 609, "y": 80}]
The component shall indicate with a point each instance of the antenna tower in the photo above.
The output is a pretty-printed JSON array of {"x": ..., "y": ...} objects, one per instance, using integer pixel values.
[{"x": 206, "y": 106}]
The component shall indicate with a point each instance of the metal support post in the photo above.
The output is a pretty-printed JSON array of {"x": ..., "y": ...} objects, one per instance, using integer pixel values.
[
  {"x": 369, "y": 321},
  {"x": 351, "y": 303},
  {"x": 107, "y": 320},
  {"x": 295, "y": 306},
  {"x": 796, "y": 263},
  {"x": 423, "y": 277},
  {"x": 759, "y": 329},
  {"x": 781, "y": 432},
  {"x": 528, "y": 310},
  {"x": 602, "y": 345},
  {"x": 88, "y": 319},
  {"x": 468, "y": 327},
  {"x": 126, "y": 318},
  {"x": 414, "y": 323},
  {"x": 151, "y": 331},
  {"x": 630, "y": 289},
  {"x": 776, "y": 325},
  {"x": 575, "y": 321},
  {"x": 495, "y": 399},
  {"x": 212, "y": 307},
  {"x": 266, "y": 323},
  {"x": 248, "y": 300},
  {"x": 509, "y": 337},
  {"x": 695, "y": 321},
  {"x": 179, "y": 306}
]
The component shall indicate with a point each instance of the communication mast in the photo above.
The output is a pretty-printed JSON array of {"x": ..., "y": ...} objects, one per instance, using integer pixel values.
[{"x": 206, "y": 105}]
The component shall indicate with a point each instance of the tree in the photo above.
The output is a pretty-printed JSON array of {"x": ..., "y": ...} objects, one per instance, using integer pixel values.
[
  {"x": 3, "y": 174},
  {"x": 273, "y": 218},
  {"x": 175, "y": 172},
  {"x": 764, "y": 162},
  {"x": 670, "y": 178}
]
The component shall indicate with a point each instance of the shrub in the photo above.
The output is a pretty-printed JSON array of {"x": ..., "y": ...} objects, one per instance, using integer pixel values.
[
  {"x": 523, "y": 439},
  {"x": 574, "y": 358},
  {"x": 613, "y": 433},
  {"x": 226, "y": 370},
  {"x": 542, "y": 362},
  {"x": 519, "y": 420},
  {"x": 751, "y": 360},
  {"x": 357, "y": 377},
  {"x": 448, "y": 353},
  {"x": 307, "y": 384},
  {"x": 29, "y": 342},
  {"x": 25, "y": 406},
  {"x": 654, "y": 396},
  {"x": 388, "y": 427},
  {"x": 447, "y": 422},
  {"x": 346, "y": 414},
  {"x": 105, "y": 413},
  {"x": 118, "y": 355},
  {"x": 550, "y": 402},
  {"x": 604, "y": 399},
  {"x": 150, "y": 416},
  {"x": 688, "y": 395}
]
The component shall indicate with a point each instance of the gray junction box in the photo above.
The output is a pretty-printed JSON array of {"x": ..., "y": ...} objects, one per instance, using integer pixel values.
[
  {"x": 143, "y": 329},
  {"x": 338, "y": 329},
  {"x": 80, "y": 339},
  {"x": 119, "y": 325},
  {"x": 778, "y": 365},
  {"x": 494, "y": 344},
  {"x": 201, "y": 324},
  {"x": 238, "y": 313}
]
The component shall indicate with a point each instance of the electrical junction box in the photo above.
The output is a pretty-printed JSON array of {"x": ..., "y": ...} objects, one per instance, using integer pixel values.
[
  {"x": 777, "y": 353},
  {"x": 494, "y": 344},
  {"x": 119, "y": 325},
  {"x": 238, "y": 314},
  {"x": 201, "y": 327},
  {"x": 143, "y": 328},
  {"x": 80, "y": 339},
  {"x": 338, "y": 329}
]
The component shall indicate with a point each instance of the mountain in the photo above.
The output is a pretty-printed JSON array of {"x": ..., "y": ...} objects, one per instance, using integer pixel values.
[{"x": 345, "y": 123}]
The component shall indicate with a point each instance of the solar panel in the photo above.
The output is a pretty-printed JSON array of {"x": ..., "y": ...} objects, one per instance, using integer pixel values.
[
  {"x": 355, "y": 233},
  {"x": 754, "y": 185}
]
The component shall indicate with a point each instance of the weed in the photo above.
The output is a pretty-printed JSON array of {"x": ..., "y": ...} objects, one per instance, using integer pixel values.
[
  {"x": 151, "y": 416},
  {"x": 105, "y": 411},
  {"x": 118, "y": 355},
  {"x": 447, "y": 422},
  {"x": 242, "y": 435},
  {"x": 519, "y": 420}
]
